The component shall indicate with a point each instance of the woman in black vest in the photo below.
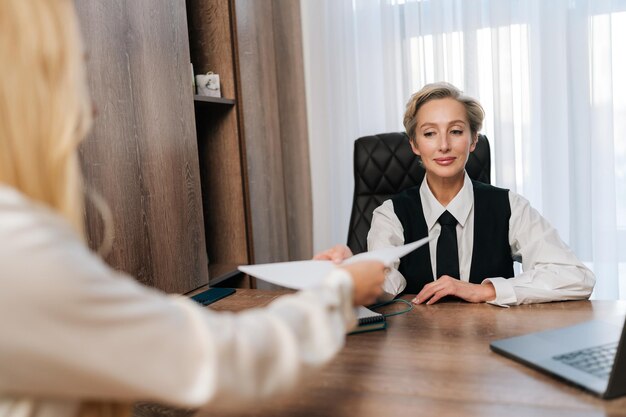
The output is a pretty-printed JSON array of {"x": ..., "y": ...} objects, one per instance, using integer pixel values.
[{"x": 477, "y": 230}]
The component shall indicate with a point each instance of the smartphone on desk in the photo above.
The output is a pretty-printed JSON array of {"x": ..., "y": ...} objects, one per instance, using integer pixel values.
[{"x": 212, "y": 295}]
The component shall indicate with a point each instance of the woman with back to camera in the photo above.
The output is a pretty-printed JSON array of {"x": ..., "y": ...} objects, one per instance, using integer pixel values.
[
  {"x": 477, "y": 230},
  {"x": 77, "y": 336}
]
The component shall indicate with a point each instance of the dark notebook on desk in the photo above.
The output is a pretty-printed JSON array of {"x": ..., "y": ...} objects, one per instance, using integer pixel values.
[
  {"x": 368, "y": 321},
  {"x": 591, "y": 355}
]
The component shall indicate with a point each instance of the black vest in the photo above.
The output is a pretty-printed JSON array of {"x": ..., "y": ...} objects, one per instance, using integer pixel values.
[{"x": 491, "y": 255}]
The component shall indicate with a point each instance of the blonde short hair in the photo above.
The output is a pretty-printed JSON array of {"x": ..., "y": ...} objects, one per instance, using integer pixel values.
[
  {"x": 45, "y": 109},
  {"x": 434, "y": 91}
]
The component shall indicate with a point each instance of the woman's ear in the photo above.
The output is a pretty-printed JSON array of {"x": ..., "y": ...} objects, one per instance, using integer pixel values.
[
  {"x": 414, "y": 148},
  {"x": 474, "y": 142}
]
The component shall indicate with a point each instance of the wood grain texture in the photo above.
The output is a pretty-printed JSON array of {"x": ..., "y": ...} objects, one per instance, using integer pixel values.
[
  {"x": 142, "y": 154},
  {"x": 221, "y": 165},
  {"x": 435, "y": 360},
  {"x": 294, "y": 136},
  {"x": 222, "y": 188},
  {"x": 275, "y": 126},
  {"x": 214, "y": 100},
  {"x": 254, "y": 157},
  {"x": 258, "y": 72}
]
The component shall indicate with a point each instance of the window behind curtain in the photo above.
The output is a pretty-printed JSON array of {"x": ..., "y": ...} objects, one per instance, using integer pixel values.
[{"x": 490, "y": 49}]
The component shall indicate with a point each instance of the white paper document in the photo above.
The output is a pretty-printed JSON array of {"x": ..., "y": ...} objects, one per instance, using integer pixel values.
[
  {"x": 306, "y": 274},
  {"x": 364, "y": 313}
]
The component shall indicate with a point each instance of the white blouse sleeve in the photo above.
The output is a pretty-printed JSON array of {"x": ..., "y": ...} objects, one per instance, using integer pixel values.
[
  {"x": 387, "y": 231},
  {"x": 74, "y": 328},
  {"x": 551, "y": 271}
]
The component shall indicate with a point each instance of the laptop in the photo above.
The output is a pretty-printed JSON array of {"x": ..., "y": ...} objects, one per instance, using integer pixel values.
[{"x": 590, "y": 355}]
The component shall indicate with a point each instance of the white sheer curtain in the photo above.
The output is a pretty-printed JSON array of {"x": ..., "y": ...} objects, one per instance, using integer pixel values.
[{"x": 550, "y": 74}]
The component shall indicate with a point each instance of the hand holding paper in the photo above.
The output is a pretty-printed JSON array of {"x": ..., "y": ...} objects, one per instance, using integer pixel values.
[{"x": 307, "y": 274}]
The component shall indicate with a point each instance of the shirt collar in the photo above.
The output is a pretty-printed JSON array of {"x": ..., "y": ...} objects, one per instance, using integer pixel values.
[{"x": 459, "y": 207}]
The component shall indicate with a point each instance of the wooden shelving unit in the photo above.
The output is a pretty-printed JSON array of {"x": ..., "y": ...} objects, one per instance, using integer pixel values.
[
  {"x": 254, "y": 150},
  {"x": 212, "y": 45},
  {"x": 213, "y": 100}
]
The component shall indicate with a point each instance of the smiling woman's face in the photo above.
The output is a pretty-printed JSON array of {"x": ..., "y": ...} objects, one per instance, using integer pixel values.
[{"x": 443, "y": 139}]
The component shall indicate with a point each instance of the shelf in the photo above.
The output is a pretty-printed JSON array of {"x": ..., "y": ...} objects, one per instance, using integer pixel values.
[
  {"x": 214, "y": 100},
  {"x": 223, "y": 275},
  {"x": 222, "y": 272},
  {"x": 227, "y": 275}
]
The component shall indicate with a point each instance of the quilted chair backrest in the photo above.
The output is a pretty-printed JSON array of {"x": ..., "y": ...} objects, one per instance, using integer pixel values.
[{"x": 384, "y": 165}]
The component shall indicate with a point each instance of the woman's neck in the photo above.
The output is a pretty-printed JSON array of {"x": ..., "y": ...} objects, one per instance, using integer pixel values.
[{"x": 445, "y": 189}]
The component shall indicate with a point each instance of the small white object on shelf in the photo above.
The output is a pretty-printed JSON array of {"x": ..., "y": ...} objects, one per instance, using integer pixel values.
[{"x": 208, "y": 84}]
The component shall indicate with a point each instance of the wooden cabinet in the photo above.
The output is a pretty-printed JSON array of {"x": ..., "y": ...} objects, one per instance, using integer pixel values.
[
  {"x": 189, "y": 177},
  {"x": 221, "y": 150},
  {"x": 254, "y": 150},
  {"x": 142, "y": 154}
]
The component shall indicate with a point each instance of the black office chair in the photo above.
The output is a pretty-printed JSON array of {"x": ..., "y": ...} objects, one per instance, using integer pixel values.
[{"x": 384, "y": 165}]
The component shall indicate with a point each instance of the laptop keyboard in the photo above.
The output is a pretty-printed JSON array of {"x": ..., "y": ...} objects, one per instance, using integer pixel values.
[{"x": 597, "y": 361}]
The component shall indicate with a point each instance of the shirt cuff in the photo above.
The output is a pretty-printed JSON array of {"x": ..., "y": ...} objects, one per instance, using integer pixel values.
[
  {"x": 394, "y": 284},
  {"x": 505, "y": 295},
  {"x": 341, "y": 282}
]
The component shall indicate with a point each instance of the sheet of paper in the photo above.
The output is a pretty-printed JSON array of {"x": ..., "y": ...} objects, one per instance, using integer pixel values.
[
  {"x": 297, "y": 275},
  {"x": 306, "y": 274},
  {"x": 387, "y": 255},
  {"x": 364, "y": 312}
]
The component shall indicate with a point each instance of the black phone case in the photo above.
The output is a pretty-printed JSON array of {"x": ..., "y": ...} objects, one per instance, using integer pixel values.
[{"x": 212, "y": 295}]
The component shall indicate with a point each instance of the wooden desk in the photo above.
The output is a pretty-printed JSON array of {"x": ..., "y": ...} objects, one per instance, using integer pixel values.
[{"x": 435, "y": 361}]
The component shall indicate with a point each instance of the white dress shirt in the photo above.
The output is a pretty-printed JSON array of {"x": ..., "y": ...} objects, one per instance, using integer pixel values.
[
  {"x": 551, "y": 271},
  {"x": 73, "y": 328}
]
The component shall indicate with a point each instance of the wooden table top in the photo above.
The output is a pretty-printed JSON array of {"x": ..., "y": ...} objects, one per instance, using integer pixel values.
[{"x": 435, "y": 361}]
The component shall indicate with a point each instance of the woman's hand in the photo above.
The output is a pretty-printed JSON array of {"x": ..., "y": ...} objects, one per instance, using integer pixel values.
[
  {"x": 368, "y": 278},
  {"x": 446, "y": 285},
  {"x": 336, "y": 254}
]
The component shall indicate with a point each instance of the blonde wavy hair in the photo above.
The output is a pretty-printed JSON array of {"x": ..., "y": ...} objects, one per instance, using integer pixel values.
[
  {"x": 45, "y": 109},
  {"x": 45, "y": 112}
]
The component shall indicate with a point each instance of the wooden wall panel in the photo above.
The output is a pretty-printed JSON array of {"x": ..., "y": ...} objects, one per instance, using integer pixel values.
[
  {"x": 276, "y": 139},
  {"x": 142, "y": 154},
  {"x": 293, "y": 127},
  {"x": 258, "y": 72}
]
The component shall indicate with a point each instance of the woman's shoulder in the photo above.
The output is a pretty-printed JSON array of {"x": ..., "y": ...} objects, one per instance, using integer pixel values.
[
  {"x": 18, "y": 213},
  {"x": 488, "y": 188},
  {"x": 492, "y": 189},
  {"x": 410, "y": 193},
  {"x": 30, "y": 231},
  {"x": 10, "y": 196}
]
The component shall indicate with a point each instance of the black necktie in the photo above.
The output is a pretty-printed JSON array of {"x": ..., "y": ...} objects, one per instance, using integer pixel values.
[{"x": 447, "y": 249}]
